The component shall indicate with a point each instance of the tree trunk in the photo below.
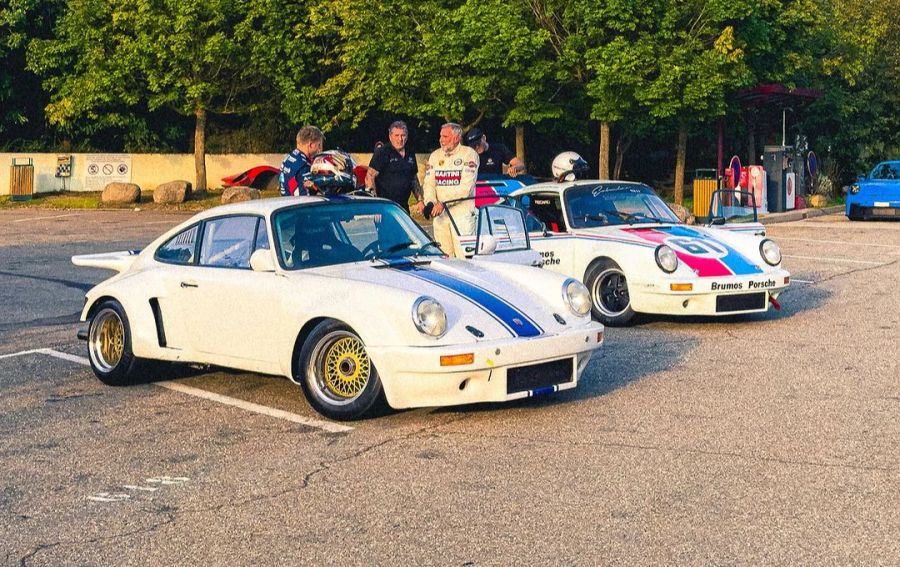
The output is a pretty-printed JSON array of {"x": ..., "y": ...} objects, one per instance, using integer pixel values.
[
  {"x": 200, "y": 150},
  {"x": 679, "y": 164},
  {"x": 603, "y": 172},
  {"x": 520, "y": 143},
  {"x": 622, "y": 145}
]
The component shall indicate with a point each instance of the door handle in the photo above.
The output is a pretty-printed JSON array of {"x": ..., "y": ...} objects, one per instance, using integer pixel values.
[{"x": 188, "y": 284}]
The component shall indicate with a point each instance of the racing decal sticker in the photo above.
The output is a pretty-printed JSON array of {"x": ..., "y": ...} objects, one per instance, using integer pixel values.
[
  {"x": 705, "y": 255},
  {"x": 512, "y": 319},
  {"x": 442, "y": 177}
]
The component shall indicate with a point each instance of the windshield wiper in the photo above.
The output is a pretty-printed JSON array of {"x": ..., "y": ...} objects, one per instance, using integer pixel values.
[
  {"x": 430, "y": 243},
  {"x": 393, "y": 248}
]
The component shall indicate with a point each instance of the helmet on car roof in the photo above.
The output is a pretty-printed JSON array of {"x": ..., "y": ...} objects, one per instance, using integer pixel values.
[
  {"x": 332, "y": 172},
  {"x": 569, "y": 166}
]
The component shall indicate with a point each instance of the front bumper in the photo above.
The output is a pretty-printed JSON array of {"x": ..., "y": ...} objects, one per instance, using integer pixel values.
[
  {"x": 874, "y": 210},
  {"x": 414, "y": 377},
  {"x": 709, "y": 296}
]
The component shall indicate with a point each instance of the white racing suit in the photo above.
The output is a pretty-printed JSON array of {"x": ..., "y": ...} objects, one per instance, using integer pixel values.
[{"x": 448, "y": 176}]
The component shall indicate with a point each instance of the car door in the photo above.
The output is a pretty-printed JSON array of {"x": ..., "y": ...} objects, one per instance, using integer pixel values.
[
  {"x": 501, "y": 237},
  {"x": 547, "y": 229},
  {"x": 232, "y": 312}
]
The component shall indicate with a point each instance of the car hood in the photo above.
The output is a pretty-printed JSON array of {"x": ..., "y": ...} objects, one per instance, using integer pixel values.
[
  {"x": 707, "y": 252},
  {"x": 471, "y": 294}
]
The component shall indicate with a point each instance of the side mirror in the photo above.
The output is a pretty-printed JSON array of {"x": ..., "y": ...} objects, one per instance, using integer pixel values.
[
  {"x": 717, "y": 221},
  {"x": 262, "y": 261},
  {"x": 487, "y": 244}
]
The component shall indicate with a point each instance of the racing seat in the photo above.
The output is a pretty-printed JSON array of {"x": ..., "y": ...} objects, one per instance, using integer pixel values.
[{"x": 317, "y": 245}]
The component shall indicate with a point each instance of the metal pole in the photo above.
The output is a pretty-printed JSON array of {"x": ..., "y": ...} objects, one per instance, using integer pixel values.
[{"x": 783, "y": 126}]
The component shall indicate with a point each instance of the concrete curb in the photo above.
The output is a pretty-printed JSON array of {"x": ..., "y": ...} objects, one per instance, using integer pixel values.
[{"x": 790, "y": 216}]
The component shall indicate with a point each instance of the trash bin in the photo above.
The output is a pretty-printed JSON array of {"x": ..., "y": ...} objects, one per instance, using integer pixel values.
[
  {"x": 705, "y": 183},
  {"x": 21, "y": 179}
]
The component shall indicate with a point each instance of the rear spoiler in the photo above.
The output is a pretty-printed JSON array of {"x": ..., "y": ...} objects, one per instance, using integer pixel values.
[{"x": 116, "y": 261}]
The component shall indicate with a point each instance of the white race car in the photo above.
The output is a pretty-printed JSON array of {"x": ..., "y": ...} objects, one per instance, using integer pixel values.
[
  {"x": 347, "y": 297},
  {"x": 636, "y": 256}
]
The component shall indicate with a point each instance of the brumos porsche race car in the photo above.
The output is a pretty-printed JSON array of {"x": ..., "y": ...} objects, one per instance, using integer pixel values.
[
  {"x": 346, "y": 296},
  {"x": 636, "y": 256}
]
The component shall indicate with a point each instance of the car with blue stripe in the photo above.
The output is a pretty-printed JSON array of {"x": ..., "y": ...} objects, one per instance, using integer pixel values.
[
  {"x": 636, "y": 256},
  {"x": 876, "y": 195},
  {"x": 347, "y": 297}
]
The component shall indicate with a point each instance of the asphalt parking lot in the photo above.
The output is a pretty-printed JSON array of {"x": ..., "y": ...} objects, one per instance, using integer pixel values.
[{"x": 768, "y": 439}]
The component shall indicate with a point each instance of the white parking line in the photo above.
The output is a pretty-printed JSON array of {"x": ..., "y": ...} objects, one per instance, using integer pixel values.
[
  {"x": 835, "y": 260},
  {"x": 45, "y": 218},
  {"x": 866, "y": 244},
  {"x": 197, "y": 392}
]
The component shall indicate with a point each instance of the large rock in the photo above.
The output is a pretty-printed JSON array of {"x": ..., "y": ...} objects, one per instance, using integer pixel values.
[
  {"x": 172, "y": 192},
  {"x": 236, "y": 194},
  {"x": 683, "y": 214},
  {"x": 120, "y": 193}
]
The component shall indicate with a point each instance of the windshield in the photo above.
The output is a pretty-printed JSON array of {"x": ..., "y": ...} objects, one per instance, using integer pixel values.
[
  {"x": 325, "y": 234},
  {"x": 886, "y": 170},
  {"x": 607, "y": 204}
]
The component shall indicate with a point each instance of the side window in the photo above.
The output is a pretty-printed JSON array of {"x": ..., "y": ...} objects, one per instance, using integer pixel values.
[
  {"x": 548, "y": 210},
  {"x": 180, "y": 248},
  {"x": 228, "y": 242},
  {"x": 262, "y": 236}
]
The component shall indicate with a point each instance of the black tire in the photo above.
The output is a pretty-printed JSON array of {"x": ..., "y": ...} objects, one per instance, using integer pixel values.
[
  {"x": 336, "y": 374},
  {"x": 109, "y": 346},
  {"x": 611, "y": 304}
]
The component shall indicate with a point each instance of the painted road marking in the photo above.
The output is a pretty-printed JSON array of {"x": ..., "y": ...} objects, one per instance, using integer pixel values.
[
  {"x": 107, "y": 497},
  {"x": 197, "y": 392},
  {"x": 839, "y": 242},
  {"x": 836, "y": 260},
  {"x": 45, "y": 218}
]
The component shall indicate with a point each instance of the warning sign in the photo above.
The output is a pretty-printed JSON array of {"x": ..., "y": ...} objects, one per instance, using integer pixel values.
[{"x": 105, "y": 168}]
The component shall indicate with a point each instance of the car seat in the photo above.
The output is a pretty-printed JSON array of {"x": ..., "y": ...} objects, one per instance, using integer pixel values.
[{"x": 317, "y": 245}]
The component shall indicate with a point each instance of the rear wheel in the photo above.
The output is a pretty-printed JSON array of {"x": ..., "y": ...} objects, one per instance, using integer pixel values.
[
  {"x": 609, "y": 294},
  {"x": 337, "y": 376},
  {"x": 109, "y": 346}
]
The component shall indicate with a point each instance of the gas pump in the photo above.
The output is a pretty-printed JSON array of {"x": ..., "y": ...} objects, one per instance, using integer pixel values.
[{"x": 778, "y": 162}]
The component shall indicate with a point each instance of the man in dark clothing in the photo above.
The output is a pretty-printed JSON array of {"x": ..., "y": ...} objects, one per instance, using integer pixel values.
[
  {"x": 294, "y": 176},
  {"x": 393, "y": 171},
  {"x": 493, "y": 156}
]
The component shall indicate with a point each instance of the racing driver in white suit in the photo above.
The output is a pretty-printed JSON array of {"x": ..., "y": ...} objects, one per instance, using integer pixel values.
[{"x": 451, "y": 174}]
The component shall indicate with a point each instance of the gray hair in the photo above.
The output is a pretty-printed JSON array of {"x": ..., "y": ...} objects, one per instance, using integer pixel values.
[
  {"x": 398, "y": 125},
  {"x": 456, "y": 128},
  {"x": 309, "y": 134}
]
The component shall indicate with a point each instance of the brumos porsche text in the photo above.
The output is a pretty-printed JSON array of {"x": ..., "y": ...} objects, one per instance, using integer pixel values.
[
  {"x": 549, "y": 259},
  {"x": 740, "y": 285}
]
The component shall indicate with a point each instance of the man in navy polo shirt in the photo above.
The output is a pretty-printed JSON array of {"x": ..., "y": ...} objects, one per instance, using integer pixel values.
[
  {"x": 493, "y": 156},
  {"x": 294, "y": 176},
  {"x": 393, "y": 171}
]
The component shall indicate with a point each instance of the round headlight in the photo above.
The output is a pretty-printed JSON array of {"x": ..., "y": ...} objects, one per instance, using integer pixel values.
[
  {"x": 854, "y": 188},
  {"x": 577, "y": 297},
  {"x": 770, "y": 252},
  {"x": 666, "y": 259},
  {"x": 429, "y": 317}
]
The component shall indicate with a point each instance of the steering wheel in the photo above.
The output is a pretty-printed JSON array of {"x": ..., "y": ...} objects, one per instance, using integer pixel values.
[{"x": 371, "y": 250}]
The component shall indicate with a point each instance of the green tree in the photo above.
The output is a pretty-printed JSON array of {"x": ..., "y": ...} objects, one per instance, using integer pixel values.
[{"x": 112, "y": 61}]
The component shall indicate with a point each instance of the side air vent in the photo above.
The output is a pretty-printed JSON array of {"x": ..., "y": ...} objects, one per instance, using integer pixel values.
[{"x": 157, "y": 317}]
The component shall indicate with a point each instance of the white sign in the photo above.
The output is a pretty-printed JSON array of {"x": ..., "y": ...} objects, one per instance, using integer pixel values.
[{"x": 101, "y": 169}]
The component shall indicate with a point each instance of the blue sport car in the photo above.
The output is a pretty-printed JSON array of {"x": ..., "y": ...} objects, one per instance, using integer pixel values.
[{"x": 877, "y": 195}]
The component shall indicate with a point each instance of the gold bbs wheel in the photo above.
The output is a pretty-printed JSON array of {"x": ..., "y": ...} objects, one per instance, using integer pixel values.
[
  {"x": 107, "y": 340},
  {"x": 346, "y": 368},
  {"x": 336, "y": 373}
]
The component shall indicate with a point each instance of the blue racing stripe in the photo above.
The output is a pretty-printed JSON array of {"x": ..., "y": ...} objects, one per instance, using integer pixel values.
[
  {"x": 506, "y": 314},
  {"x": 734, "y": 260}
]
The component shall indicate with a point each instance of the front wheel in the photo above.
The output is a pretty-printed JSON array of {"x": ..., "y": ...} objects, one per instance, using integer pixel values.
[
  {"x": 337, "y": 376},
  {"x": 109, "y": 346},
  {"x": 609, "y": 294}
]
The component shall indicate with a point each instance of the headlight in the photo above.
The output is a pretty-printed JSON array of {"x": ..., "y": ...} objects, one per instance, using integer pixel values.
[
  {"x": 577, "y": 297},
  {"x": 429, "y": 317},
  {"x": 770, "y": 252},
  {"x": 854, "y": 188},
  {"x": 666, "y": 259}
]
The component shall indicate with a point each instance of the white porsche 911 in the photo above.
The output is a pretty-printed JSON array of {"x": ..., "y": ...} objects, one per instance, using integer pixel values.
[
  {"x": 636, "y": 256},
  {"x": 348, "y": 298}
]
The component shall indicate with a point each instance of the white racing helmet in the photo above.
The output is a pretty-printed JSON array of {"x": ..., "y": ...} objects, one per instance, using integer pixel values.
[
  {"x": 332, "y": 172},
  {"x": 569, "y": 166}
]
